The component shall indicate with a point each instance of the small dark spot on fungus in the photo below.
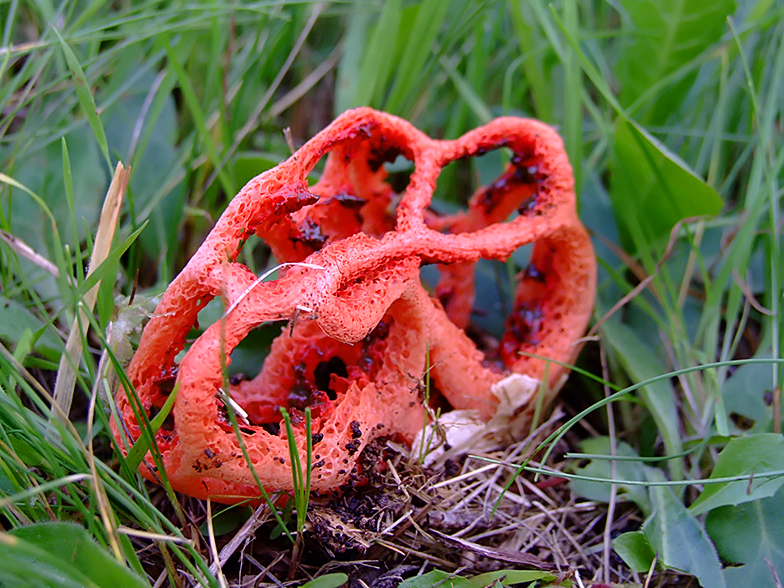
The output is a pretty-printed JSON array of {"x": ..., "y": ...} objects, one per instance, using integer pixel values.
[
  {"x": 533, "y": 273},
  {"x": 310, "y": 235},
  {"x": 493, "y": 194},
  {"x": 514, "y": 178},
  {"x": 319, "y": 464},
  {"x": 237, "y": 378},
  {"x": 316, "y": 438},
  {"x": 444, "y": 296},
  {"x": 528, "y": 205},
  {"x": 350, "y": 201},
  {"x": 525, "y": 323},
  {"x": 303, "y": 392},
  {"x": 356, "y": 432},
  {"x": 528, "y": 174},
  {"x": 352, "y": 447},
  {"x": 384, "y": 153},
  {"x": 165, "y": 381},
  {"x": 209, "y": 453},
  {"x": 365, "y": 130}
]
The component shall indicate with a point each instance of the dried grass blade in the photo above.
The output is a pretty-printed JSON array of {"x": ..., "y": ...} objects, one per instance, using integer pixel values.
[
  {"x": 24, "y": 250},
  {"x": 514, "y": 557},
  {"x": 110, "y": 213}
]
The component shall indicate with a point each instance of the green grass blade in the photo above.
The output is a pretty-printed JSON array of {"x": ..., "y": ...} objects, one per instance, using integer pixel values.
[
  {"x": 85, "y": 97},
  {"x": 471, "y": 97},
  {"x": 418, "y": 48},
  {"x": 142, "y": 445},
  {"x": 377, "y": 64},
  {"x": 199, "y": 119},
  {"x": 354, "y": 48},
  {"x": 111, "y": 259}
]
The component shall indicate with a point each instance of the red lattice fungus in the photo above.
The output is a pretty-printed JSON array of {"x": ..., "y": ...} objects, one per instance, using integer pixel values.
[{"x": 362, "y": 322}]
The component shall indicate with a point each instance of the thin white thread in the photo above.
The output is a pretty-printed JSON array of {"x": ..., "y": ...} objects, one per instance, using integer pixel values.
[{"x": 264, "y": 276}]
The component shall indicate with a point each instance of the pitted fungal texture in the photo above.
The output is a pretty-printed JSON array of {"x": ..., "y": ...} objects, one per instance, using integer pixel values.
[{"x": 358, "y": 322}]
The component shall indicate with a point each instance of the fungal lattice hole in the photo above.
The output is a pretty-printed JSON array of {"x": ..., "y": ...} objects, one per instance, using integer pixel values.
[
  {"x": 323, "y": 373},
  {"x": 399, "y": 173},
  {"x": 248, "y": 357},
  {"x": 459, "y": 179},
  {"x": 271, "y": 428},
  {"x": 494, "y": 294},
  {"x": 255, "y": 254},
  {"x": 487, "y": 188}
]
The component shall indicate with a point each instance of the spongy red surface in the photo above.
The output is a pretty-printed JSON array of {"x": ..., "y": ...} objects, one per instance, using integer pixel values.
[{"x": 360, "y": 322}]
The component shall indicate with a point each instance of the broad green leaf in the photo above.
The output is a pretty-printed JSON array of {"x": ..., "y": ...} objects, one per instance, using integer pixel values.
[
  {"x": 15, "y": 319},
  {"x": 63, "y": 552},
  {"x": 652, "y": 189},
  {"x": 505, "y": 577},
  {"x": 327, "y": 581},
  {"x": 249, "y": 164},
  {"x": 755, "y": 454},
  {"x": 680, "y": 540},
  {"x": 40, "y": 577},
  {"x": 511, "y": 577},
  {"x": 751, "y": 534},
  {"x": 668, "y": 36},
  {"x": 6, "y": 485},
  {"x": 744, "y": 395},
  {"x": 494, "y": 290},
  {"x": 437, "y": 578},
  {"x": 247, "y": 356},
  {"x": 635, "y": 550},
  {"x": 600, "y": 468}
]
